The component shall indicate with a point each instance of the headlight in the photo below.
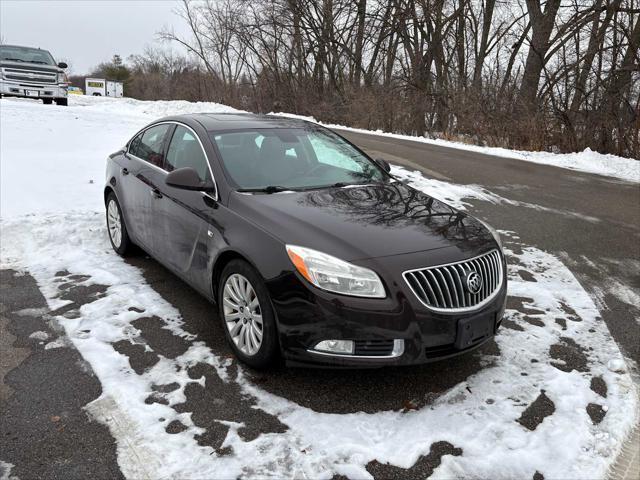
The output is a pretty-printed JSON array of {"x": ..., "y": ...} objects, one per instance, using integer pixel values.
[
  {"x": 496, "y": 235},
  {"x": 62, "y": 78},
  {"x": 335, "y": 275}
]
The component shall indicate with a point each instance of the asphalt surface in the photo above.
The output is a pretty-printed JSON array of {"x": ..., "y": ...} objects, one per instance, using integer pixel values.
[{"x": 591, "y": 222}]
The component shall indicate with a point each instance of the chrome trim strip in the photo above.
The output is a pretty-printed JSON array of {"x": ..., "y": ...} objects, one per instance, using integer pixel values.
[
  {"x": 213, "y": 178},
  {"x": 478, "y": 306},
  {"x": 398, "y": 350}
]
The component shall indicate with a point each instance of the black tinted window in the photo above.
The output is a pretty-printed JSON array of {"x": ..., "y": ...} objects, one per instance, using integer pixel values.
[
  {"x": 185, "y": 151},
  {"x": 293, "y": 158},
  {"x": 148, "y": 145}
]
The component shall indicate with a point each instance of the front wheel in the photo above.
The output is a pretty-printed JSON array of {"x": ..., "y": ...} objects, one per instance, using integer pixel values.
[
  {"x": 63, "y": 102},
  {"x": 248, "y": 317},
  {"x": 116, "y": 227},
  {"x": 47, "y": 101}
]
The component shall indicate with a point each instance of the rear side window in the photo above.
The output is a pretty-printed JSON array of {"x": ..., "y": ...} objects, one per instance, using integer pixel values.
[
  {"x": 185, "y": 151},
  {"x": 148, "y": 145}
]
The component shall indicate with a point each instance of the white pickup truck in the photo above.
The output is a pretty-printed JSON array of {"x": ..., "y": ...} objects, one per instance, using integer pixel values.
[{"x": 33, "y": 73}]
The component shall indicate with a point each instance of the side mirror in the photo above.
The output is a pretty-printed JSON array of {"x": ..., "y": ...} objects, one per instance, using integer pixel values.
[
  {"x": 383, "y": 164},
  {"x": 187, "y": 178},
  {"x": 62, "y": 65}
]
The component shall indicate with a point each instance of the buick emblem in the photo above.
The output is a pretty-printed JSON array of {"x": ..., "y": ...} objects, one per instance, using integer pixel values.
[{"x": 474, "y": 282}]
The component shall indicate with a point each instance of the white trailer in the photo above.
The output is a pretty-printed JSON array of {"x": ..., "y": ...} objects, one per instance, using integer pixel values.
[{"x": 101, "y": 87}]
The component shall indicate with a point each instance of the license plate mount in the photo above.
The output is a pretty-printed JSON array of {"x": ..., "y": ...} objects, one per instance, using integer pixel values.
[
  {"x": 473, "y": 330},
  {"x": 32, "y": 93}
]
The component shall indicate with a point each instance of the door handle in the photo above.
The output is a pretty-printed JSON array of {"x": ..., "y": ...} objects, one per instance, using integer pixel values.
[
  {"x": 155, "y": 193},
  {"x": 125, "y": 171}
]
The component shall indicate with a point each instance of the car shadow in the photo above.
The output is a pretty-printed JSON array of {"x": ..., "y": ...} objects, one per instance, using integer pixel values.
[{"x": 322, "y": 390}]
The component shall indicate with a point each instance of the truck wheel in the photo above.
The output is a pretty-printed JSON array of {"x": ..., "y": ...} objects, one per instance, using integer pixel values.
[
  {"x": 61, "y": 101},
  {"x": 47, "y": 101}
]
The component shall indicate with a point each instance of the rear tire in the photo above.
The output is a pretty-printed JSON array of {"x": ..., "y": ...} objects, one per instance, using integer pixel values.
[
  {"x": 247, "y": 316},
  {"x": 47, "y": 101},
  {"x": 116, "y": 228},
  {"x": 63, "y": 102}
]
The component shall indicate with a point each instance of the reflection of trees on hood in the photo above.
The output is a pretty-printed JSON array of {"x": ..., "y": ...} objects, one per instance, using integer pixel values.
[{"x": 395, "y": 205}]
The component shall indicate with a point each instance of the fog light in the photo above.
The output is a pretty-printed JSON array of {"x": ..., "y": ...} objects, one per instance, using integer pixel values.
[{"x": 336, "y": 346}]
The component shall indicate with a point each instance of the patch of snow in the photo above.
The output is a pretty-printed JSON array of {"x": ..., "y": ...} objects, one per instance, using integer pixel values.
[
  {"x": 587, "y": 161},
  {"x": 39, "y": 335},
  {"x": 57, "y": 343},
  {"x": 5, "y": 471}
]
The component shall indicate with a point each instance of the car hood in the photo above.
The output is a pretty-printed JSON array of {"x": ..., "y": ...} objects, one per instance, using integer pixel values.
[{"x": 362, "y": 222}]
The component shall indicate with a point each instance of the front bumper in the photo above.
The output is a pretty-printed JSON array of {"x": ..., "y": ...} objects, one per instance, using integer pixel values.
[
  {"x": 10, "y": 88},
  {"x": 307, "y": 315}
]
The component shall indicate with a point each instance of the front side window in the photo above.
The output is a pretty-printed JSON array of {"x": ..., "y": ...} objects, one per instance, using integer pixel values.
[
  {"x": 25, "y": 55},
  {"x": 299, "y": 158},
  {"x": 185, "y": 151},
  {"x": 149, "y": 145}
]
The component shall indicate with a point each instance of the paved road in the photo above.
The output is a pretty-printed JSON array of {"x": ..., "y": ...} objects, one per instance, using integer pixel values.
[{"x": 593, "y": 223}]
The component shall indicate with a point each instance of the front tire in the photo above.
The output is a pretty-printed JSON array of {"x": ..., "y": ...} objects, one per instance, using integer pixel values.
[
  {"x": 248, "y": 318},
  {"x": 47, "y": 101},
  {"x": 116, "y": 228},
  {"x": 63, "y": 102}
]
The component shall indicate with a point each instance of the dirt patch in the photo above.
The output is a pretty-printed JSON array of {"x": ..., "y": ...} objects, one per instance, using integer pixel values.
[
  {"x": 568, "y": 355},
  {"x": 535, "y": 413},
  {"x": 423, "y": 468}
]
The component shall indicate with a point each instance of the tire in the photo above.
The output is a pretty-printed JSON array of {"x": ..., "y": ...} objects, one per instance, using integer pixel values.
[
  {"x": 47, "y": 101},
  {"x": 63, "y": 102},
  {"x": 243, "y": 317},
  {"x": 116, "y": 228}
]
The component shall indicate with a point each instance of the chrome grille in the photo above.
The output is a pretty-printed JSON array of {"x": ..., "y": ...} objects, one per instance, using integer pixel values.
[
  {"x": 444, "y": 287},
  {"x": 33, "y": 76}
]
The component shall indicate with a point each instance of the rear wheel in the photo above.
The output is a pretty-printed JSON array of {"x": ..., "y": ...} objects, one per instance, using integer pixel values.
[
  {"x": 116, "y": 227},
  {"x": 62, "y": 102},
  {"x": 248, "y": 317}
]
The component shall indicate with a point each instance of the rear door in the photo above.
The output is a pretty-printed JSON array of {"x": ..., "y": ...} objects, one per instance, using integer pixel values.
[
  {"x": 187, "y": 216},
  {"x": 146, "y": 153}
]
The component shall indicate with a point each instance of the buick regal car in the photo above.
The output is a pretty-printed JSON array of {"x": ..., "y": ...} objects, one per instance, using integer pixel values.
[{"x": 310, "y": 250}]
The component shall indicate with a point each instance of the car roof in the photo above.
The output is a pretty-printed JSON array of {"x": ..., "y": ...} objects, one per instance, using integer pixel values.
[{"x": 215, "y": 122}]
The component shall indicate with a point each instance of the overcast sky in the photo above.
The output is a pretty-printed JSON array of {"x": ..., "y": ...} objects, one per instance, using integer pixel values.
[{"x": 85, "y": 33}]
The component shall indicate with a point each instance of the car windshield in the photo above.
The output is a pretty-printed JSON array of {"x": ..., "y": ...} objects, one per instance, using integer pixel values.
[
  {"x": 289, "y": 159},
  {"x": 25, "y": 55}
]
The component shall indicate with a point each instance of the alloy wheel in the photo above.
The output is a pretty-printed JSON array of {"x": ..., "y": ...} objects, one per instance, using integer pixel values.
[
  {"x": 114, "y": 223},
  {"x": 242, "y": 314}
]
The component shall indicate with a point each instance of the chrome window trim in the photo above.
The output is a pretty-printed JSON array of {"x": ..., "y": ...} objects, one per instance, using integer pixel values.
[
  {"x": 398, "y": 350},
  {"x": 174, "y": 122},
  {"x": 473, "y": 308}
]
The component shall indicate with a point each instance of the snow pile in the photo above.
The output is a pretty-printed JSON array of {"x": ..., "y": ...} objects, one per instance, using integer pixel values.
[
  {"x": 57, "y": 155},
  {"x": 588, "y": 161}
]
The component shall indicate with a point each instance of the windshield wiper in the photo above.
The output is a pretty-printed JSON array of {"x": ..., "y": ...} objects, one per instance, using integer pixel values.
[
  {"x": 14, "y": 60},
  {"x": 268, "y": 189}
]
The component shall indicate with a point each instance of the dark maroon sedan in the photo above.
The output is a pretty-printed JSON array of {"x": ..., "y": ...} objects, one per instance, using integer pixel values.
[{"x": 310, "y": 249}]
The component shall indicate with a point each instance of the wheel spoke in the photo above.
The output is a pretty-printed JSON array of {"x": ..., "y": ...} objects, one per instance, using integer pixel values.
[
  {"x": 233, "y": 331},
  {"x": 231, "y": 304},
  {"x": 232, "y": 293}
]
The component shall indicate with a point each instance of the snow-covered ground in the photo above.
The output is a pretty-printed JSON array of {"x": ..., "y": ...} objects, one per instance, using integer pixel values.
[{"x": 53, "y": 221}]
